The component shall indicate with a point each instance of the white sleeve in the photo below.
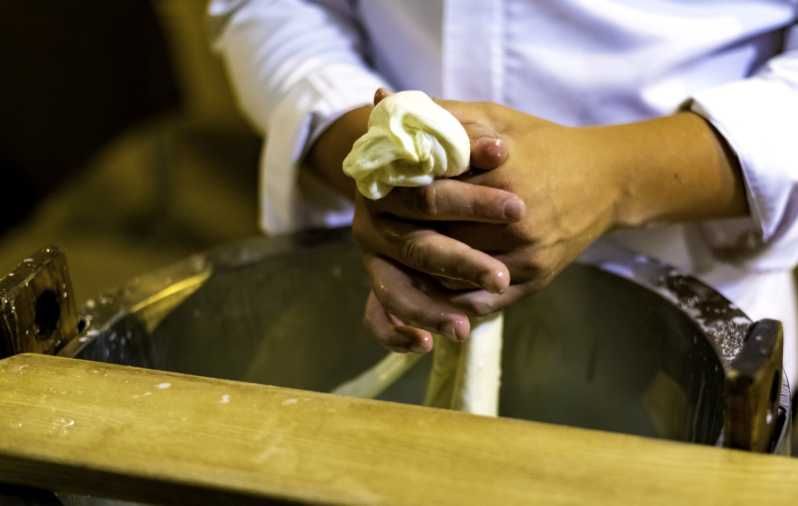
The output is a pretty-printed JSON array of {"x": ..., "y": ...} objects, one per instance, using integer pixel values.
[
  {"x": 758, "y": 117},
  {"x": 296, "y": 67}
]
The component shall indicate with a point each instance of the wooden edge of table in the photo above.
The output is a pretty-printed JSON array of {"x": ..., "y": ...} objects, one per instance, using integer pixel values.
[{"x": 116, "y": 431}]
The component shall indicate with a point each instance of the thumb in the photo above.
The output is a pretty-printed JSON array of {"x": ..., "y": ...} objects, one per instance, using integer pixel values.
[{"x": 488, "y": 150}]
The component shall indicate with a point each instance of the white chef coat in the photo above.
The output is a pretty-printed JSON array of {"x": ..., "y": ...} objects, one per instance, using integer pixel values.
[{"x": 298, "y": 65}]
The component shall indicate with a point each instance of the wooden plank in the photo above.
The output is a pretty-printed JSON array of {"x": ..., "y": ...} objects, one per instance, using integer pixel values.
[{"x": 149, "y": 435}]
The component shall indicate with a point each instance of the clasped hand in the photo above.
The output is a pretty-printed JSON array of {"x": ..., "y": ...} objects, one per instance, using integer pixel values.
[{"x": 536, "y": 196}]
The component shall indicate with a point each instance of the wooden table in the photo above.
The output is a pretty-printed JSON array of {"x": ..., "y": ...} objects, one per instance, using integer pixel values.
[{"x": 110, "y": 430}]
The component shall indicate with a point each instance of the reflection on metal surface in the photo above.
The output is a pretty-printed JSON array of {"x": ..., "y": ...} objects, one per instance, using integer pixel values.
[
  {"x": 609, "y": 345},
  {"x": 723, "y": 323},
  {"x": 150, "y": 297},
  {"x": 750, "y": 353},
  {"x": 155, "y": 307},
  {"x": 666, "y": 403}
]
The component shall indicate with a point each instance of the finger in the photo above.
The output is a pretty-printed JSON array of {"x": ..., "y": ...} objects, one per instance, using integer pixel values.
[
  {"x": 530, "y": 274},
  {"x": 481, "y": 302},
  {"x": 422, "y": 339},
  {"x": 452, "y": 200},
  {"x": 525, "y": 266},
  {"x": 488, "y": 150},
  {"x": 413, "y": 304},
  {"x": 380, "y": 94},
  {"x": 454, "y": 285},
  {"x": 490, "y": 238},
  {"x": 433, "y": 253},
  {"x": 428, "y": 251},
  {"x": 530, "y": 265},
  {"x": 391, "y": 332}
]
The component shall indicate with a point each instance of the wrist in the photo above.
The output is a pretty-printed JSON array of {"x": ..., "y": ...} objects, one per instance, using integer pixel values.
[
  {"x": 327, "y": 153},
  {"x": 669, "y": 169}
]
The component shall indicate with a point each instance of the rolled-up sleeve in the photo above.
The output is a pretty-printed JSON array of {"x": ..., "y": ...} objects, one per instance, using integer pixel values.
[
  {"x": 296, "y": 67},
  {"x": 758, "y": 117}
]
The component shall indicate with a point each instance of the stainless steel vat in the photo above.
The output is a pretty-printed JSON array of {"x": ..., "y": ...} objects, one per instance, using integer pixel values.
[{"x": 618, "y": 342}]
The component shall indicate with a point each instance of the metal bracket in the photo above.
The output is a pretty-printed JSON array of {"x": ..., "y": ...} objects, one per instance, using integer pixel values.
[
  {"x": 753, "y": 387},
  {"x": 37, "y": 306}
]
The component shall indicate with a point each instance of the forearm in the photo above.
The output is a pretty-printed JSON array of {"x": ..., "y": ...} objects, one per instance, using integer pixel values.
[
  {"x": 328, "y": 152},
  {"x": 674, "y": 168}
]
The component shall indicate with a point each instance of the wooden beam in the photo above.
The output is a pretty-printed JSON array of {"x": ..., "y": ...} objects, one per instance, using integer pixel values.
[{"x": 140, "y": 434}]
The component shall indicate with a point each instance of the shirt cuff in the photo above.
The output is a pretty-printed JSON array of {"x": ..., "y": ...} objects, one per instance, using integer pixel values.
[
  {"x": 757, "y": 117},
  {"x": 305, "y": 112}
]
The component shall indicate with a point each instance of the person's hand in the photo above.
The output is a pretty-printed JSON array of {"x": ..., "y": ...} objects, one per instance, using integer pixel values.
[
  {"x": 576, "y": 183},
  {"x": 412, "y": 245},
  {"x": 391, "y": 245}
]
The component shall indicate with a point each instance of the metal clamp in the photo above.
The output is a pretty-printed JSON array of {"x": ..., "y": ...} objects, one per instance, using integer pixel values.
[
  {"x": 37, "y": 306},
  {"x": 753, "y": 387}
]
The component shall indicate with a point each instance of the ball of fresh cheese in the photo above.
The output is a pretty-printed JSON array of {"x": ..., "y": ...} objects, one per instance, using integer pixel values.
[{"x": 410, "y": 141}]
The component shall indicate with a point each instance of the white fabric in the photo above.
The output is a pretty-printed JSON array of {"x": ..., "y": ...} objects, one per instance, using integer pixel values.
[{"x": 298, "y": 65}]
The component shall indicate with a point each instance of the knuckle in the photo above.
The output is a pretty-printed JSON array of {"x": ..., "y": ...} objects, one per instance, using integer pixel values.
[
  {"x": 427, "y": 200},
  {"x": 412, "y": 252}
]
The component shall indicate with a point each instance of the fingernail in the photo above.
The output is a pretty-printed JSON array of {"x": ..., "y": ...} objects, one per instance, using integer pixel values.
[
  {"x": 514, "y": 209},
  {"x": 425, "y": 344},
  {"x": 457, "y": 329},
  {"x": 492, "y": 148},
  {"x": 449, "y": 329},
  {"x": 492, "y": 282}
]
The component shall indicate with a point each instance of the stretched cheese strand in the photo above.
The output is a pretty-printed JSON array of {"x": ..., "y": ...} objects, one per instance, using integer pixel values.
[
  {"x": 374, "y": 381},
  {"x": 467, "y": 376}
]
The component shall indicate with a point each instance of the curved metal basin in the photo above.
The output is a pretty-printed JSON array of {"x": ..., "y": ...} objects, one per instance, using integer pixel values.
[{"x": 626, "y": 345}]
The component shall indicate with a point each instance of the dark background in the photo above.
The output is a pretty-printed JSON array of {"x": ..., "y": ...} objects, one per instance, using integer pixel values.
[
  {"x": 121, "y": 141},
  {"x": 77, "y": 74}
]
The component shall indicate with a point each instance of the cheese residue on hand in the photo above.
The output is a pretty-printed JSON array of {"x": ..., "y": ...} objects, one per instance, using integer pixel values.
[{"x": 410, "y": 141}]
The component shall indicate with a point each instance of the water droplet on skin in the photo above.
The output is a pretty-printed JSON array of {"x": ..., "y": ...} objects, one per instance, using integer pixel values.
[
  {"x": 163, "y": 386},
  {"x": 225, "y": 399},
  {"x": 289, "y": 402}
]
